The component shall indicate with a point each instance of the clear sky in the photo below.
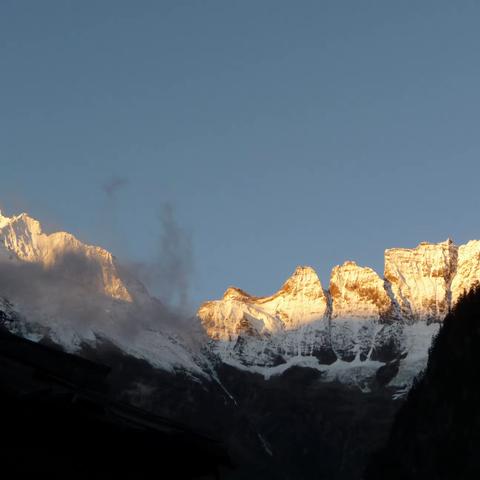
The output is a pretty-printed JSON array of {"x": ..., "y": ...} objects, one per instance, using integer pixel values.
[{"x": 281, "y": 132}]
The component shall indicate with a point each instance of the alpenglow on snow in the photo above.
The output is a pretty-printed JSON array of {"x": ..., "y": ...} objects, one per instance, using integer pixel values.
[{"x": 75, "y": 293}]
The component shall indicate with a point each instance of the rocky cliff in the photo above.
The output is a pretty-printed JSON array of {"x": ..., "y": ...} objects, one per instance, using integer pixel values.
[
  {"x": 77, "y": 294},
  {"x": 363, "y": 321}
]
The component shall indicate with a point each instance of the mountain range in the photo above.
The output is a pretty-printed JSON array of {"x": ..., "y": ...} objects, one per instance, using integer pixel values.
[
  {"x": 334, "y": 365},
  {"x": 350, "y": 331},
  {"x": 78, "y": 293}
]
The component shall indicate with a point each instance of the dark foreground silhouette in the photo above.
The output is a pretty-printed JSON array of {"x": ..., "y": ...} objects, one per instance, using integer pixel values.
[
  {"x": 58, "y": 420},
  {"x": 436, "y": 433}
]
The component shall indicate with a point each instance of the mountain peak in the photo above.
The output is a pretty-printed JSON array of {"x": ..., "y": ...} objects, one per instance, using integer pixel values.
[
  {"x": 303, "y": 279},
  {"x": 420, "y": 278},
  {"x": 22, "y": 236},
  {"x": 234, "y": 293},
  {"x": 31, "y": 224},
  {"x": 4, "y": 220},
  {"x": 357, "y": 292}
]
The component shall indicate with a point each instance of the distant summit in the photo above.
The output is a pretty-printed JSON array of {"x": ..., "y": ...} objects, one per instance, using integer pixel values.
[
  {"x": 22, "y": 235},
  {"x": 362, "y": 319},
  {"x": 76, "y": 294},
  {"x": 363, "y": 324}
]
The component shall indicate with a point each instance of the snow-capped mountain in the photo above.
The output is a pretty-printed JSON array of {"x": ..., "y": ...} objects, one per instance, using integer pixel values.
[
  {"x": 420, "y": 279},
  {"x": 364, "y": 330},
  {"x": 78, "y": 294},
  {"x": 300, "y": 301},
  {"x": 359, "y": 324},
  {"x": 23, "y": 237}
]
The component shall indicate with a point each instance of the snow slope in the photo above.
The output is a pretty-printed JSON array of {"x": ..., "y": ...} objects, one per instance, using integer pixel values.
[
  {"x": 362, "y": 322},
  {"x": 76, "y": 293}
]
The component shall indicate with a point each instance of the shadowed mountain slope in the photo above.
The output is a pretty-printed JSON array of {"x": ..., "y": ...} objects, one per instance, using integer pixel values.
[
  {"x": 60, "y": 420},
  {"x": 436, "y": 433}
]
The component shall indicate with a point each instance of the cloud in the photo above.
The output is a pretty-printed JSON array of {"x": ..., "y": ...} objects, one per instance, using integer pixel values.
[
  {"x": 66, "y": 294},
  {"x": 68, "y": 297},
  {"x": 114, "y": 184},
  {"x": 170, "y": 272}
]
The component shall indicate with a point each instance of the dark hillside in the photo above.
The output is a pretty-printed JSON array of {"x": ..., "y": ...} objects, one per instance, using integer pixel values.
[{"x": 436, "y": 433}]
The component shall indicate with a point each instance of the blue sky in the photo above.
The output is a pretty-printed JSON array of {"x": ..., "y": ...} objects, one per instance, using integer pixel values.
[{"x": 281, "y": 132}]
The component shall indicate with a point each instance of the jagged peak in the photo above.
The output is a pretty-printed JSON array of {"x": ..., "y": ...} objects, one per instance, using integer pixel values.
[
  {"x": 233, "y": 293},
  {"x": 419, "y": 283},
  {"x": 426, "y": 253},
  {"x": 470, "y": 243},
  {"x": 448, "y": 242},
  {"x": 469, "y": 249},
  {"x": 33, "y": 226},
  {"x": 303, "y": 274},
  {"x": 304, "y": 269},
  {"x": 22, "y": 220},
  {"x": 352, "y": 266},
  {"x": 357, "y": 291},
  {"x": 303, "y": 279},
  {"x": 23, "y": 236},
  {"x": 31, "y": 223},
  {"x": 4, "y": 220}
]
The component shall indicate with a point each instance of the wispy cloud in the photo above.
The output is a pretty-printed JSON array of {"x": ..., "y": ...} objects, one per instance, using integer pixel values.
[
  {"x": 114, "y": 184},
  {"x": 170, "y": 272}
]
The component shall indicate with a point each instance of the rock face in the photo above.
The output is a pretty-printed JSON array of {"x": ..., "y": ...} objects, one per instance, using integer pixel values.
[
  {"x": 23, "y": 236},
  {"x": 358, "y": 292},
  {"x": 420, "y": 279},
  {"x": 362, "y": 323},
  {"x": 359, "y": 301},
  {"x": 265, "y": 331},
  {"x": 77, "y": 294},
  {"x": 468, "y": 269},
  {"x": 301, "y": 300}
]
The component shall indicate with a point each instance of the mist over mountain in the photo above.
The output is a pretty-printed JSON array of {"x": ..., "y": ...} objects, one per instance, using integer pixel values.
[
  {"x": 362, "y": 323},
  {"x": 333, "y": 364},
  {"x": 75, "y": 293}
]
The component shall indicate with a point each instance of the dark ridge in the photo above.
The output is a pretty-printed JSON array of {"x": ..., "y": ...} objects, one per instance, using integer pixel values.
[
  {"x": 436, "y": 433},
  {"x": 59, "y": 420}
]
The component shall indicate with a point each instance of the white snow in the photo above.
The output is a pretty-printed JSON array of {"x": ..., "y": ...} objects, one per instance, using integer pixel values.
[
  {"x": 75, "y": 293},
  {"x": 267, "y": 335},
  {"x": 417, "y": 340},
  {"x": 419, "y": 287},
  {"x": 420, "y": 278}
]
